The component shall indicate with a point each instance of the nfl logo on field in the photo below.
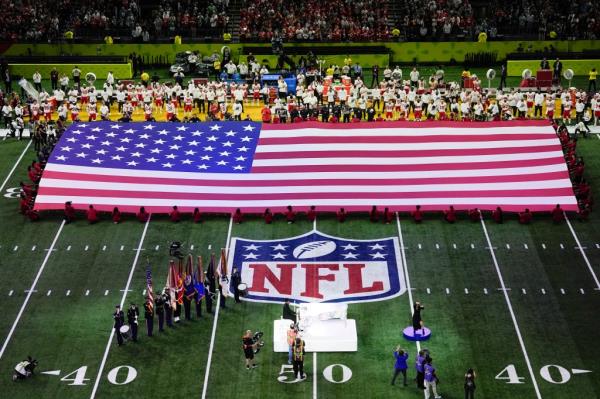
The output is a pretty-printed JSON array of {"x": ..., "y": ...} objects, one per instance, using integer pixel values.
[{"x": 315, "y": 267}]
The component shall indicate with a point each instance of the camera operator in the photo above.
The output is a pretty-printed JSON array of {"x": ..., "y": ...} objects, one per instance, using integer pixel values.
[{"x": 249, "y": 346}]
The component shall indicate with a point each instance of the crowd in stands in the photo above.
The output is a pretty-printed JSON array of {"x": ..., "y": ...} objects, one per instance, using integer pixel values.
[
  {"x": 334, "y": 20},
  {"x": 435, "y": 19},
  {"x": 547, "y": 18}
]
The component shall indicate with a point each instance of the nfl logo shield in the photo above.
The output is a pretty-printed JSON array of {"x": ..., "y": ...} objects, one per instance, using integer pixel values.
[{"x": 315, "y": 267}]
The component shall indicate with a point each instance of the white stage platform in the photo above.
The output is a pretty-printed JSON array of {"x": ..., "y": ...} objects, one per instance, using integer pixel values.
[{"x": 323, "y": 327}]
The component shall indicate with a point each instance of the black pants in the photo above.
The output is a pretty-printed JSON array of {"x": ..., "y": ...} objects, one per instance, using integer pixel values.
[
  {"x": 187, "y": 308},
  {"x": 420, "y": 380},
  {"x": 502, "y": 82},
  {"x": 150, "y": 325},
  {"x": 209, "y": 302},
  {"x": 198, "y": 309},
  {"x": 236, "y": 295},
  {"x": 38, "y": 86},
  {"x": 538, "y": 110},
  {"x": 590, "y": 84},
  {"x": 169, "y": 316},
  {"x": 134, "y": 331},
  {"x": 469, "y": 392},
  {"x": 396, "y": 372},
  {"x": 298, "y": 368},
  {"x": 119, "y": 336},
  {"x": 54, "y": 84},
  {"x": 177, "y": 313},
  {"x": 161, "y": 321}
]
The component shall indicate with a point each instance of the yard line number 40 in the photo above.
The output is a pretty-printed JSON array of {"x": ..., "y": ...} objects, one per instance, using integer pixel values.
[{"x": 552, "y": 373}]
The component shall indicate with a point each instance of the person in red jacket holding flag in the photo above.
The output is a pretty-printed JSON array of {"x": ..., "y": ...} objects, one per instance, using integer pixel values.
[
  {"x": 268, "y": 216},
  {"x": 417, "y": 215},
  {"x": 557, "y": 214},
  {"x": 69, "y": 212},
  {"x": 175, "y": 216},
  {"x": 142, "y": 215},
  {"x": 92, "y": 215}
]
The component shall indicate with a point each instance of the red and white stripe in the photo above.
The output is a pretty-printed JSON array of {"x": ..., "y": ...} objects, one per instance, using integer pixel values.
[{"x": 514, "y": 165}]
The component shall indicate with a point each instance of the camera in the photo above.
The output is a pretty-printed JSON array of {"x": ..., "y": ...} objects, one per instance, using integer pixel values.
[
  {"x": 174, "y": 250},
  {"x": 257, "y": 340}
]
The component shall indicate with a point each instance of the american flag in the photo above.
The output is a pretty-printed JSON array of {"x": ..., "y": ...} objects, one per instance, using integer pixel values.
[{"x": 221, "y": 166}]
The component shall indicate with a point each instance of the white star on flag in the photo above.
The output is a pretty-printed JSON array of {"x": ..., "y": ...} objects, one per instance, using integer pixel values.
[
  {"x": 86, "y": 145},
  {"x": 182, "y": 128},
  {"x": 61, "y": 158},
  {"x": 115, "y": 126},
  {"x": 248, "y": 128},
  {"x": 251, "y": 247},
  {"x": 190, "y": 152},
  {"x": 111, "y": 134},
  {"x": 230, "y": 133},
  {"x": 129, "y": 131},
  {"x": 212, "y": 138},
  {"x": 132, "y": 163},
  {"x": 378, "y": 255},
  {"x": 206, "y": 157},
  {"x": 279, "y": 247},
  {"x": 116, "y": 157},
  {"x": 193, "y": 143},
  {"x": 215, "y": 128},
  {"x": 96, "y": 129},
  {"x": 350, "y": 255},
  {"x": 97, "y": 160},
  {"x": 167, "y": 165},
  {"x": 144, "y": 136},
  {"x": 163, "y": 132},
  {"x": 152, "y": 159},
  {"x": 178, "y": 137},
  {"x": 203, "y": 166},
  {"x": 349, "y": 247},
  {"x": 251, "y": 256},
  {"x": 238, "y": 167},
  {"x": 246, "y": 139},
  {"x": 376, "y": 247},
  {"x": 81, "y": 155},
  {"x": 149, "y": 127},
  {"x": 91, "y": 137},
  {"x": 278, "y": 255},
  {"x": 196, "y": 133}
]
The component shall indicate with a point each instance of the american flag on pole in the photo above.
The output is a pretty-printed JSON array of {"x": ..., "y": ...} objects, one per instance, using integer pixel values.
[{"x": 221, "y": 166}]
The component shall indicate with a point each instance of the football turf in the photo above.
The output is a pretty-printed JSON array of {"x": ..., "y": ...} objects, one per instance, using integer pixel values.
[{"x": 453, "y": 271}]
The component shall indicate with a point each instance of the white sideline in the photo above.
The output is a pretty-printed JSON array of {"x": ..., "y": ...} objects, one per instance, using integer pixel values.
[
  {"x": 510, "y": 309},
  {"x": 215, "y": 320},
  {"x": 585, "y": 258},
  {"x": 14, "y": 167},
  {"x": 31, "y": 290},
  {"x": 405, "y": 270},
  {"x": 112, "y": 330}
]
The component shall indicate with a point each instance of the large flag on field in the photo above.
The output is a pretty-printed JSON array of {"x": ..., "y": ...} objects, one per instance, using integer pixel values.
[{"x": 221, "y": 166}]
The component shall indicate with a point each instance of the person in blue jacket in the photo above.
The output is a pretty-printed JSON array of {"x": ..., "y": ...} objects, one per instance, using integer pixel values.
[{"x": 400, "y": 365}]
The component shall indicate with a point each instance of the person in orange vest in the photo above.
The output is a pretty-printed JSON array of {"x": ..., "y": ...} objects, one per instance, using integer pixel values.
[{"x": 291, "y": 337}]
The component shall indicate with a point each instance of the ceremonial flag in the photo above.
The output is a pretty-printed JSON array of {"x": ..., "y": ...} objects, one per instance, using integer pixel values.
[
  {"x": 198, "y": 279},
  {"x": 210, "y": 271},
  {"x": 220, "y": 166},
  {"x": 179, "y": 280},
  {"x": 149, "y": 287},
  {"x": 172, "y": 282},
  {"x": 224, "y": 281}
]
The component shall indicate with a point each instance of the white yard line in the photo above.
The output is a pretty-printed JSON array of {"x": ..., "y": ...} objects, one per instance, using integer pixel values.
[
  {"x": 315, "y": 373},
  {"x": 31, "y": 290},
  {"x": 585, "y": 258},
  {"x": 112, "y": 330},
  {"x": 215, "y": 321},
  {"x": 14, "y": 167},
  {"x": 510, "y": 309},
  {"x": 405, "y": 269}
]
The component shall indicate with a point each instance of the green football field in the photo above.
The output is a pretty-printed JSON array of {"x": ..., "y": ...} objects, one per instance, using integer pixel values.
[{"x": 519, "y": 304}]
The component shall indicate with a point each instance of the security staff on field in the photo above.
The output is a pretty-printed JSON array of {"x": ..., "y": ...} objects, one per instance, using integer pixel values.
[
  {"x": 119, "y": 318},
  {"x": 132, "y": 318},
  {"x": 149, "y": 316},
  {"x": 298, "y": 352},
  {"x": 160, "y": 312}
]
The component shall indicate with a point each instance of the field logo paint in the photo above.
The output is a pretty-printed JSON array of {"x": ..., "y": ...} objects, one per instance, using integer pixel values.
[{"x": 315, "y": 267}]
